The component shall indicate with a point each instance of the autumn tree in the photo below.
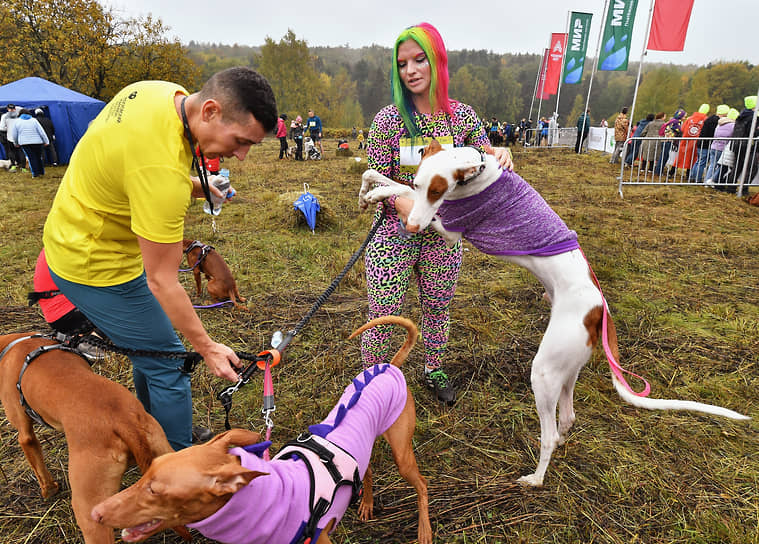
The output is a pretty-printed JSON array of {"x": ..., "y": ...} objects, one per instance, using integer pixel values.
[
  {"x": 289, "y": 68},
  {"x": 83, "y": 46}
]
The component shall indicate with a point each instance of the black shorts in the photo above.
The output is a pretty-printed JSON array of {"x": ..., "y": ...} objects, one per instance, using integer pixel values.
[{"x": 315, "y": 136}]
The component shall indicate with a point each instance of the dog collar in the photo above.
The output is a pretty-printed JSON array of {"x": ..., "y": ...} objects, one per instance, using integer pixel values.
[{"x": 478, "y": 172}]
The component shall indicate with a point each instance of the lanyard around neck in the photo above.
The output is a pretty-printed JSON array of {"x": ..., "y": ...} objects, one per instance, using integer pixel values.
[{"x": 197, "y": 162}]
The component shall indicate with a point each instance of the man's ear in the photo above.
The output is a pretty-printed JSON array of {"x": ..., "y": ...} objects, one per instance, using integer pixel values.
[{"x": 209, "y": 109}]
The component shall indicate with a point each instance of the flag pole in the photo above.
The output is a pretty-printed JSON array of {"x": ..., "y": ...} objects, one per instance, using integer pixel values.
[
  {"x": 563, "y": 60},
  {"x": 593, "y": 72},
  {"x": 640, "y": 70},
  {"x": 543, "y": 76},
  {"x": 537, "y": 77}
]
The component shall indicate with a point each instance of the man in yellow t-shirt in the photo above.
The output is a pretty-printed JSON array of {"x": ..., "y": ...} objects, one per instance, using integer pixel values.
[{"x": 113, "y": 237}]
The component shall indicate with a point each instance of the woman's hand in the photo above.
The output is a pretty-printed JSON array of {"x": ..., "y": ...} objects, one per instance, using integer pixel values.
[{"x": 503, "y": 156}]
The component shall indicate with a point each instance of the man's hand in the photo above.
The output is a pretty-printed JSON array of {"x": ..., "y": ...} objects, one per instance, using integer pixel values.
[{"x": 219, "y": 359}]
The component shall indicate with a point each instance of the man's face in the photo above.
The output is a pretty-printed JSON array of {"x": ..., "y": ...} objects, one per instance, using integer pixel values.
[
  {"x": 310, "y": 113},
  {"x": 220, "y": 137}
]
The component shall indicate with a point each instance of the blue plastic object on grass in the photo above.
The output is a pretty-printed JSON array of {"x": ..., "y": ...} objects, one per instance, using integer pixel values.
[{"x": 309, "y": 205}]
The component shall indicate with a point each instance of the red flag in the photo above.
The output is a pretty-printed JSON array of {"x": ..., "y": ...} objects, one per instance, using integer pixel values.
[
  {"x": 669, "y": 25},
  {"x": 555, "y": 60},
  {"x": 541, "y": 91}
]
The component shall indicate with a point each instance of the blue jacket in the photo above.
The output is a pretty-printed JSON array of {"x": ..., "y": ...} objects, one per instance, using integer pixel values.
[
  {"x": 314, "y": 124},
  {"x": 27, "y": 130}
]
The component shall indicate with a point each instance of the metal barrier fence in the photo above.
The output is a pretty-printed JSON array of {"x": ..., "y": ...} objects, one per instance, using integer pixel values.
[
  {"x": 726, "y": 164},
  {"x": 553, "y": 137}
]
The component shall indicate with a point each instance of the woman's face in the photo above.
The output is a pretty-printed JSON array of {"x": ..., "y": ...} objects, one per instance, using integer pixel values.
[{"x": 414, "y": 67}]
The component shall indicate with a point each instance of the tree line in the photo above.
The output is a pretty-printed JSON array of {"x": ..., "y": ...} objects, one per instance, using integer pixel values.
[{"x": 92, "y": 49}]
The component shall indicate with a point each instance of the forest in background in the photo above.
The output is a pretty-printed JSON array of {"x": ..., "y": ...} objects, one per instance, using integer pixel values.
[{"x": 92, "y": 49}]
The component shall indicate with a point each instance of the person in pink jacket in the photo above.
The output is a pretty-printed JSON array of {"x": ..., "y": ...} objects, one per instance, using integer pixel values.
[{"x": 282, "y": 135}]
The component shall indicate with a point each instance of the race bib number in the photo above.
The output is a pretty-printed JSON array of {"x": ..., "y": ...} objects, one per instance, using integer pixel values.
[{"x": 410, "y": 151}]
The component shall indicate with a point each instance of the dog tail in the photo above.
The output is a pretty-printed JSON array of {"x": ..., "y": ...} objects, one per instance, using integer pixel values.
[
  {"x": 657, "y": 404},
  {"x": 411, "y": 336}
]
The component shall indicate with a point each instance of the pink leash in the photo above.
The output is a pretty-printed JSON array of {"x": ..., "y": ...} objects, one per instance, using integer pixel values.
[
  {"x": 268, "y": 405},
  {"x": 616, "y": 368}
]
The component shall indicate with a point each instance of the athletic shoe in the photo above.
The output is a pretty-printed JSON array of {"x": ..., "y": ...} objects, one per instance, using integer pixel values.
[
  {"x": 12, "y": 169},
  {"x": 201, "y": 434},
  {"x": 438, "y": 382},
  {"x": 92, "y": 353}
]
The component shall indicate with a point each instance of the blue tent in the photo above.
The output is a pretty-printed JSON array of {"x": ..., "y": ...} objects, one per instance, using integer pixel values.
[{"x": 70, "y": 111}]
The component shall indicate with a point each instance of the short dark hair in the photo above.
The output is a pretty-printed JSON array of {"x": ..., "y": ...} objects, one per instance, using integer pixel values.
[
  {"x": 624, "y": 110},
  {"x": 241, "y": 89},
  {"x": 650, "y": 117}
]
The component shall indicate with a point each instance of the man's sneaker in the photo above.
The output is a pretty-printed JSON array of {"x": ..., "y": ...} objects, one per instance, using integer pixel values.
[
  {"x": 91, "y": 352},
  {"x": 438, "y": 382},
  {"x": 201, "y": 435},
  {"x": 12, "y": 169}
]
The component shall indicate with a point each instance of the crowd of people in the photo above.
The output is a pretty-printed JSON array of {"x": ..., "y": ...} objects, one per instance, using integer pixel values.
[
  {"x": 28, "y": 139},
  {"x": 699, "y": 146}
]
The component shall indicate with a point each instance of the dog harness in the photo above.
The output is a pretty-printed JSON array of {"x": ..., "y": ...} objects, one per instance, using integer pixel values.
[
  {"x": 282, "y": 506},
  {"x": 204, "y": 251},
  {"x": 329, "y": 467},
  {"x": 27, "y": 361},
  {"x": 509, "y": 217}
]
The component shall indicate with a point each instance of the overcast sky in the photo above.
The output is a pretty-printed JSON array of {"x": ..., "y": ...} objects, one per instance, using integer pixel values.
[{"x": 719, "y": 29}]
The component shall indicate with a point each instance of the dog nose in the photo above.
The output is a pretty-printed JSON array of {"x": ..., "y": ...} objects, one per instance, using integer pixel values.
[{"x": 412, "y": 228}]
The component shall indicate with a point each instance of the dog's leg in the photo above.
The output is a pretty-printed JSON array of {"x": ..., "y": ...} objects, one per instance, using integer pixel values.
[
  {"x": 196, "y": 272},
  {"x": 33, "y": 451},
  {"x": 399, "y": 436},
  {"x": 563, "y": 352},
  {"x": 366, "y": 506},
  {"x": 93, "y": 479}
]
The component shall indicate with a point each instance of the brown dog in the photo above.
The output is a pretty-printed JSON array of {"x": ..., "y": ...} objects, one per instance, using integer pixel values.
[
  {"x": 205, "y": 259},
  {"x": 105, "y": 425},
  {"x": 233, "y": 496}
]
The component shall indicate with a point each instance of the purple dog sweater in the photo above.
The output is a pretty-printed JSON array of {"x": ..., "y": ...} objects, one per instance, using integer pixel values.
[
  {"x": 272, "y": 508},
  {"x": 509, "y": 218}
]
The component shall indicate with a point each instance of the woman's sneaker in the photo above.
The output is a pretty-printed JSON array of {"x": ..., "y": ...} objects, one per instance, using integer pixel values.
[{"x": 441, "y": 385}]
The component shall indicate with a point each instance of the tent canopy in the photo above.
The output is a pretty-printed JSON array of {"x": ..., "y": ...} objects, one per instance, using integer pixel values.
[{"x": 70, "y": 111}]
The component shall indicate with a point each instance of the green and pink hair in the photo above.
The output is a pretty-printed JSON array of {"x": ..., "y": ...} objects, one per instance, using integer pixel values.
[{"x": 429, "y": 39}]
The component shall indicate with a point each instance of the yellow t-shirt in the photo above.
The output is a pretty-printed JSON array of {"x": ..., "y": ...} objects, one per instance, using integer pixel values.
[{"x": 128, "y": 176}]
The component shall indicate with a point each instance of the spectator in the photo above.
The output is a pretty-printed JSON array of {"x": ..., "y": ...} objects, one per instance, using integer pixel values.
[
  {"x": 604, "y": 123},
  {"x": 634, "y": 147},
  {"x": 704, "y": 143},
  {"x": 543, "y": 131},
  {"x": 553, "y": 129},
  {"x": 686, "y": 155},
  {"x": 114, "y": 249},
  {"x": 724, "y": 129},
  {"x": 743, "y": 130},
  {"x": 282, "y": 135},
  {"x": 420, "y": 111},
  {"x": 297, "y": 132},
  {"x": 31, "y": 138},
  {"x": 51, "y": 154},
  {"x": 671, "y": 129},
  {"x": 314, "y": 125},
  {"x": 583, "y": 128},
  {"x": 6, "y": 122},
  {"x": 621, "y": 128},
  {"x": 360, "y": 139},
  {"x": 354, "y": 133},
  {"x": 650, "y": 150}
]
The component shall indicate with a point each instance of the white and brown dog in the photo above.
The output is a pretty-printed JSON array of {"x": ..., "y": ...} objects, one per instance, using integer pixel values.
[{"x": 464, "y": 192}]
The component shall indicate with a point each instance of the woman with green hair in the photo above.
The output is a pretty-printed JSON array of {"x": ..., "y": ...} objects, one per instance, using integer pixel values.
[{"x": 421, "y": 110}]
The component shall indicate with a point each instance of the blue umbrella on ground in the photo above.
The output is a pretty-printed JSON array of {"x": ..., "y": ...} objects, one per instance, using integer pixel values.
[{"x": 309, "y": 205}]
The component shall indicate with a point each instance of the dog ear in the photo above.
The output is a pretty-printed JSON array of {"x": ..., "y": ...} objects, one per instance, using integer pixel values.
[
  {"x": 230, "y": 478},
  {"x": 432, "y": 148},
  {"x": 235, "y": 437}
]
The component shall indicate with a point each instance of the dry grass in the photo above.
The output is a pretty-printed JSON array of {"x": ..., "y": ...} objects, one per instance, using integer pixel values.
[{"x": 679, "y": 267}]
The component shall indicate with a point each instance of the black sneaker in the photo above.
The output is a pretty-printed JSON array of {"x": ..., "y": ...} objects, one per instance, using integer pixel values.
[
  {"x": 438, "y": 382},
  {"x": 201, "y": 435}
]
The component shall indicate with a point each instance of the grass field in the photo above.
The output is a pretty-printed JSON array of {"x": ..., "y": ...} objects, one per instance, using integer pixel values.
[{"x": 679, "y": 267}]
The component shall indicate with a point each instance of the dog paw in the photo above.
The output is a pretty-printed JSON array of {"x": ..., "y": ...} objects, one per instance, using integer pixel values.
[
  {"x": 48, "y": 490},
  {"x": 365, "y": 510},
  {"x": 533, "y": 480}
]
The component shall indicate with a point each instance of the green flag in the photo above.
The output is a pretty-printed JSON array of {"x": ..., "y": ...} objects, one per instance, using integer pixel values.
[
  {"x": 615, "y": 46},
  {"x": 577, "y": 46}
]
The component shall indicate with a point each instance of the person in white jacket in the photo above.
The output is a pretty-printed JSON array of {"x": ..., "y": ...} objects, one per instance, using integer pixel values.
[{"x": 29, "y": 135}]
